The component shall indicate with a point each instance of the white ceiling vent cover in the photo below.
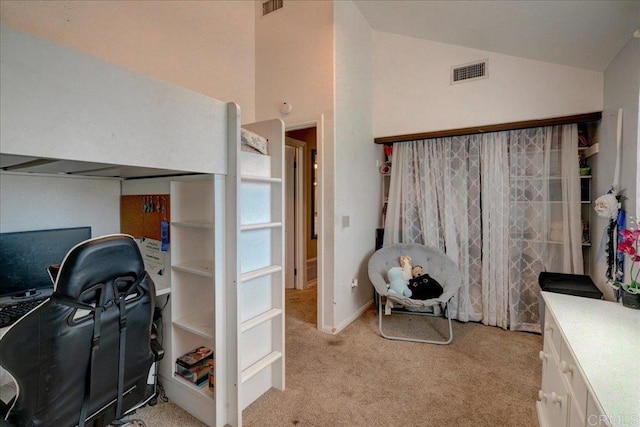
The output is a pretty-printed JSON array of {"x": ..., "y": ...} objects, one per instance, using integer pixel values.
[
  {"x": 271, "y": 6},
  {"x": 468, "y": 72}
]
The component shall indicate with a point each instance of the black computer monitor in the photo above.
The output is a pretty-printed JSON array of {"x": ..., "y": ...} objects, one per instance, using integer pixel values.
[{"x": 26, "y": 255}]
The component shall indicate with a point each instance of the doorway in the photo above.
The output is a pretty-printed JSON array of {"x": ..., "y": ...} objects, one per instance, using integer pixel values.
[
  {"x": 295, "y": 276},
  {"x": 301, "y": 233}
]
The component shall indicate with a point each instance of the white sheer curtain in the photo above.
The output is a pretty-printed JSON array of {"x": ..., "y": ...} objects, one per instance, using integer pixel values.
[
  {"x": 504, "y": 206},
  {"x": 495, "y": 234}
]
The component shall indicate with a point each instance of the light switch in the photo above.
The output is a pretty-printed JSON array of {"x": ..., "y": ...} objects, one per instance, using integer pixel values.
[{"x": 345, "y": 220}]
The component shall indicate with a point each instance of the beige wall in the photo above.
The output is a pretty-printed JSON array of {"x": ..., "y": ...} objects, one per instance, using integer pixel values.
[
  {"x": 316, "y": 56},
  {"x": 294, "y": 61},
  {"x": 621, "y": 90},
  {"x": 205, "y": 46},
  {"x": 357, "y": 194},
  {"x": 413, "y": 93},
  {"x": 294, "y": 64}
]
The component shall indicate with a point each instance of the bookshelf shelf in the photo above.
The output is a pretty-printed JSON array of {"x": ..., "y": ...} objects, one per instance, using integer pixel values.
[
  {"x": 162, "y": 290},
  {"x": 200, "y": 267},
  {"x": 200, "y": 324},
  {"x": 204, "y": 390},
  {"x": 205, "y": 224}
]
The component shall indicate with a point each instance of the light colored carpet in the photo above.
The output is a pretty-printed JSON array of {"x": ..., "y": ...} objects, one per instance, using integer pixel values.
[
  {"x": 486, "y": 377},
  {"x": 164, "y": 414}
]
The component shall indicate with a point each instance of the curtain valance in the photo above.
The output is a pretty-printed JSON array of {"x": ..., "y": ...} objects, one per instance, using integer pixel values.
[{"x": 527, "y": 124}]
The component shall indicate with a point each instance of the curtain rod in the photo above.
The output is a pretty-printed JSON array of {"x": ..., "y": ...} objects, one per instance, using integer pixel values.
[{"x": 578, "y": 118}]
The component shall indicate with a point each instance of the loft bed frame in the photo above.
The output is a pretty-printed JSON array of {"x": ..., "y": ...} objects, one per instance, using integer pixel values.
[{"x": 65, "y": 112}]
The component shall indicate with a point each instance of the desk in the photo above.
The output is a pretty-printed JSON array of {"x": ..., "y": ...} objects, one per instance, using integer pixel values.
[{"x": 591, "y": 374}]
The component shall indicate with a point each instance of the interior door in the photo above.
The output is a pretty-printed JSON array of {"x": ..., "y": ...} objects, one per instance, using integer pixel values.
[{"x": 290, "y": 217}]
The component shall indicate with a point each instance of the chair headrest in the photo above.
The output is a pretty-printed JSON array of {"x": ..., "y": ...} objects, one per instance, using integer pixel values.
[{"x": 99, "y": 260}]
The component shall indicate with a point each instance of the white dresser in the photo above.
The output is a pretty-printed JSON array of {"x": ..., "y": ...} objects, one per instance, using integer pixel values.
[{"x": 591, "y": 363}]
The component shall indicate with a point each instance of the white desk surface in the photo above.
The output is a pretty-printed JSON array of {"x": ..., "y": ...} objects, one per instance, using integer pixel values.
[{"x": 605, "y": 339}]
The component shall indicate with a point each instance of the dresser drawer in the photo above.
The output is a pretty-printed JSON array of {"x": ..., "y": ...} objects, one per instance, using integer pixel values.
[
  {"x": 575, "y": 416},
  {"x": 552, "y": 331},
  {"x": 553, "y": 399},
  {"x": 591, "y": 341},
  {"x": 573, "y": 378},
  {"x": 594, "y": 416}
]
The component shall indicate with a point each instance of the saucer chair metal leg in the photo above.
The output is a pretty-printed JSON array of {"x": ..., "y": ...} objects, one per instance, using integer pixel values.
[{"x": 390, "y": 337}]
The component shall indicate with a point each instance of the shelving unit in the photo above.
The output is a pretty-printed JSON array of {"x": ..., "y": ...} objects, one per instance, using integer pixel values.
[
  {"x": 255, "y": 249},
  {"x": 386, "y": 182},
  {"x": 531, "y": 183},
  {"x": 187, "y": 145},
  {"x": 588, "y": 133},
  {"x": 227, "y": 241},
  {"x": 192, "y": 282}
]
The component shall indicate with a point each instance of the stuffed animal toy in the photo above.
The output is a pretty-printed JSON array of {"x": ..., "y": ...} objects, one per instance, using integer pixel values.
[
  {"x": 397, "y": 284},
  {"x": 423, "y": 286},
  {"x": 417, "y": 271},
  {"x": 405, "y": 263}
]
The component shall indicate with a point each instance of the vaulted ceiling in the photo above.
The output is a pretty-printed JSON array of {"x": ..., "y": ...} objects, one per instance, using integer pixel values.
[{"x": 583, "y": 34}]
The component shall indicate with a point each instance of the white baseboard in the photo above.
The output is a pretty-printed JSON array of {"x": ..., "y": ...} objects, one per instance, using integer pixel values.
[{"x": 346, "y": 322}]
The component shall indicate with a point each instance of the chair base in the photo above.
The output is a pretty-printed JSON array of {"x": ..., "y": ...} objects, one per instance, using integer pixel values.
[{"x": 390, "y": 337}]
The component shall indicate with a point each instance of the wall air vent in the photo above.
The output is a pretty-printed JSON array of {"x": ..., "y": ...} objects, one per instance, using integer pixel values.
[
  {"x": 467, "y": 72},
  {"x": 271, "y": 6}
]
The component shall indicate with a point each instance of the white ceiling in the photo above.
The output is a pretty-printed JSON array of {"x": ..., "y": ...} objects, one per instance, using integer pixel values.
[{"x": 583, "y": 34}]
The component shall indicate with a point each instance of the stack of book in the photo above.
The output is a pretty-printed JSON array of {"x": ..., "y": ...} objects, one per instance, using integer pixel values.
[
  {"x": 212, "y": 375},
  {"x": 194, "y": 366}
]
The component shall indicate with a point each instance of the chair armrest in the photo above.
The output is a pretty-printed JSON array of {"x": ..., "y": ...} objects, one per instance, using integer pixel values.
[
  {"x": 4, "y": 410},
  {"x": 158, "y": 351},
  {"x": 449, "y": 293}
]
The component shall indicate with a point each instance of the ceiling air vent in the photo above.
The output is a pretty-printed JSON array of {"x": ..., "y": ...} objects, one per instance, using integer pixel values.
[
  {"x": 271, "y": 6},
  {"x": 466, "y": 72}
]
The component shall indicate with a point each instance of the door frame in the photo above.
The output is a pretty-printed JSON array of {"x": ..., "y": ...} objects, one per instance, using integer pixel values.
[
  {"x": 318, "y": 123},
  {"x": 300, "y": 263}
]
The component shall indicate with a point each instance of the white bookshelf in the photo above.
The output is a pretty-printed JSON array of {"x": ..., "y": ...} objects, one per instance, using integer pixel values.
[
  {"x": 227, "y": 283},
  {"x": 255, "y": 197},
  {"x": 192, "y": 282}
]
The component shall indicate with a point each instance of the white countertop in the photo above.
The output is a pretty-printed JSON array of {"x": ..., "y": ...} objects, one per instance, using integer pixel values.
[{"x": 604, "y": 337}]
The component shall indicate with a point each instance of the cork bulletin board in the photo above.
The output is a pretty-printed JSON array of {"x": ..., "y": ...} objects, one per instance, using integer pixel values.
[{"x": 142, "y": 215}]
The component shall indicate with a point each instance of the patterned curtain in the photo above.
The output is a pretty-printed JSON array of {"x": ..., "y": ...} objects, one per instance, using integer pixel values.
[{"x": 504, "y": 206}]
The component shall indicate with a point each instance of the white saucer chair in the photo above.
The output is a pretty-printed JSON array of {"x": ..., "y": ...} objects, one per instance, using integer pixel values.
[{"x": 435, "y": 263}]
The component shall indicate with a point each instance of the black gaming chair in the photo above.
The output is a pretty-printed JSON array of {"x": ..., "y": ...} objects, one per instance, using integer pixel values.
[{"x": 85, "y": 353}]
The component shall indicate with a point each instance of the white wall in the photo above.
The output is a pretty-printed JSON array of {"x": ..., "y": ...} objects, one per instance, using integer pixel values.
[
  {"x": 58, "y": 102},
  {"x": 621, "y": 90},
  {"x": 32, "y": 202},
  {"x": 357, "y": 191},
  {"x": 294, "y": 63},
  {"x": 297, "y": 48},
  {"x": 412, "y": 90},
  {"x": 205, "y": 46}
]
